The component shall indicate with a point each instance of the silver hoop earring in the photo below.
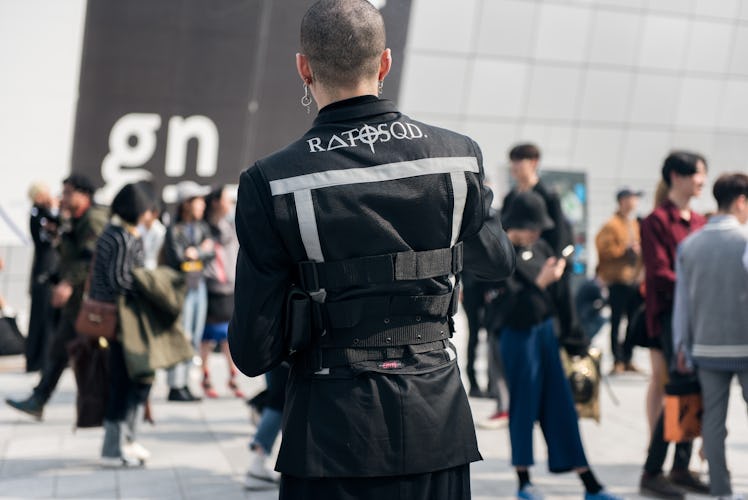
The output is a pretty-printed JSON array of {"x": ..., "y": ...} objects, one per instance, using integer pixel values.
[
  {"x": 306, "y": 100},
  {"x": 380, "y": 86}
]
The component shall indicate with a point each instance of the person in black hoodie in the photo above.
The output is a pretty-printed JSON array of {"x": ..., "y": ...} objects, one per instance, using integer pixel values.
[
  {"x": 43, "y": 226},
  {"x": 538, "y": 389}
]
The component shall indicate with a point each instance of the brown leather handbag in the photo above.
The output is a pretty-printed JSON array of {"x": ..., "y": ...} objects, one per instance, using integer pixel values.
[{"x": 96, "y": 318}]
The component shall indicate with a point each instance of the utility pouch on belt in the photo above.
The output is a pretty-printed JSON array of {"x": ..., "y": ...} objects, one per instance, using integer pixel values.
[{"x": 298, "y": 331}]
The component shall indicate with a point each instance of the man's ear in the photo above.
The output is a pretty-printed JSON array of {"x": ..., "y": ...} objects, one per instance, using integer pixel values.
[
  {"x": 303, "y": 68},
  {"x": 385, "y": 64}
]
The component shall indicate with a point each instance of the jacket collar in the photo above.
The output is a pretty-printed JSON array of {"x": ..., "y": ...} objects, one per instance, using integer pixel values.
[
  {"x": 354, "y": 108},
  {"x": 722, "y": 221},
  {"x": 673, "y": 212}
]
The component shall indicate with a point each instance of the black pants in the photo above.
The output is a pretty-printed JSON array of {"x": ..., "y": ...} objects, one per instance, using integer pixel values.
[
  {"x": 624, "y": 300},
  {"x": 474, "y": 306},
  {"x": 43, "y": 320},
  {"x": 57, "y": 357},
  {"x": 124, "y": 393},
  {"x": 657, "y": 445},
  {"x": 448, "y": 484}
]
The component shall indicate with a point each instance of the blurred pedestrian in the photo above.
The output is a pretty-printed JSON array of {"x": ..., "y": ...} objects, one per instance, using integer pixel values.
[
  {"x": 260, "y": 474},
  {"x": 524, "y": 161},
  {"x": 77, "y": 243},
  {"x": 188, "y": 247},
  {"x": 44, "y": 225},
  {"x": 538, "y": 388},
  {"x": 710, "y": 317},
  {"x": 620, "y": 267},
  {"x": 119, "y": 251},
  {"x": 220, "y": 275},
  {"x": 151, "y": 230},
  {"x": 473, "y": 303},
  {"x": 351, "y": 240},
  {"x": 661, "y": 231}
]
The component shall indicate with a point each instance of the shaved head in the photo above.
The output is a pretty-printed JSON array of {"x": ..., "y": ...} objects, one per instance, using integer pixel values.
[{"x": 343, "y": 40}]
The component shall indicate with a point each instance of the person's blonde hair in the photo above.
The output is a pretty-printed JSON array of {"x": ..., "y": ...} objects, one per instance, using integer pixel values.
[
  {"x": 36, "y": 188},
  {"x": 660, "y": 194}
]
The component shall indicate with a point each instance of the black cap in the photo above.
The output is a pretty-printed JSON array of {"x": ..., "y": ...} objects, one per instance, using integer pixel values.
[
  {"x": 80, "y": 182},
  {"x": 625, "y": 192},
  {"x": 527, "y": 211}
]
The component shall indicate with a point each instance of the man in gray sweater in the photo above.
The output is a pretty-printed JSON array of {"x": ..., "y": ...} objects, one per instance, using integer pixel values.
[{"x": 711, "y": 314}]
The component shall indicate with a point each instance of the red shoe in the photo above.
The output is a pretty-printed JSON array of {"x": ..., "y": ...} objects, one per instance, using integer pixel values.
[
  {"x": 235, "y": 389},
  {"x": 208, "y": 389},
  {"x": 496, "y": 421}
]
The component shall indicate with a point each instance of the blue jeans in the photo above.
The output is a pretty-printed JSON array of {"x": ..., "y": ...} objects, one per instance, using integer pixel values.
[
  {"x": 272, "y": 417},
  {"x": 539, "y": 391},
  {"x": 194, "y": 312}
]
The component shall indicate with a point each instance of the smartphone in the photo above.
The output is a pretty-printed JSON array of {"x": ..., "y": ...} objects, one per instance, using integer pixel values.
[{"x": 567, "y": 251}]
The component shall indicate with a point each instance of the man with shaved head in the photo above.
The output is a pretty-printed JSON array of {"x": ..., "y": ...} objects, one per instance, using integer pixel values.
[{"x": 352, "y": 241}]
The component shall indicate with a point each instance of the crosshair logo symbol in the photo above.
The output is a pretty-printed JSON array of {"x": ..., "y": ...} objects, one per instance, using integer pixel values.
[{"x": 368, "y": 135}]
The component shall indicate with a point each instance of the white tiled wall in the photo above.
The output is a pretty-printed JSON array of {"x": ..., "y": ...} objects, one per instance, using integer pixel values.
[{"x": 603, "y": 86}]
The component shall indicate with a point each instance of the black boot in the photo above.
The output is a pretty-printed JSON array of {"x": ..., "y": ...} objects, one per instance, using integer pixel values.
[
  {"x": 33, "y": 406},
  {"x": 183, "y": 395}
]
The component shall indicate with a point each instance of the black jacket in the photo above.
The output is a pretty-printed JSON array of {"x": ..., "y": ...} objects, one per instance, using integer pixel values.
[
  {"x": 45, "y": 256},
  {"x": 559, "y": 236},
  {"x": 365, "y": 180}
]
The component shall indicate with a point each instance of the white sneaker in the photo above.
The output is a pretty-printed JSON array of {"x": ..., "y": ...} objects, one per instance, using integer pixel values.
[
  {"x": 117, "y": 462},
  {"x": 136, "y": 450},
  {"x": 259, "y": 474}
]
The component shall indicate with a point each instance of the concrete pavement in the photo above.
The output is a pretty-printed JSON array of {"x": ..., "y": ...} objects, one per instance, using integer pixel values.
[{"x": 200, "y": 450}]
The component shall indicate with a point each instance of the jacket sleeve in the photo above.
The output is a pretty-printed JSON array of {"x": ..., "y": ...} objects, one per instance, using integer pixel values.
[
  {"x": 208, "y": 256},
  {"x": 263, "y": 277},
  {"x": 682, "y": 341},
  {"x": 609, "y": 243},
  {"x": 86, "y": 234},
  {"x": 173, "y": 248},
  {"x": 488, "y": 254},
  {"x": 656, "y": 258}
]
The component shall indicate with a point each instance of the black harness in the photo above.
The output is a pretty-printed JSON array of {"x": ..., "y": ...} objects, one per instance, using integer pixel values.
[{"x": 379, "y": 327}]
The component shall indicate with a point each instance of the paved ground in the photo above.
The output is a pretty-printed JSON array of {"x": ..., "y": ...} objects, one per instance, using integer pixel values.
[{"x": 199, "y": 450}]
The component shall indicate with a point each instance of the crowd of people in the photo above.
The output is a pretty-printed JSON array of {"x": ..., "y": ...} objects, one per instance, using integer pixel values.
[
  {"x": 121, "y": 255},
  {"x": 349, "y": 262},
  {"x": 647, "y": 274}
]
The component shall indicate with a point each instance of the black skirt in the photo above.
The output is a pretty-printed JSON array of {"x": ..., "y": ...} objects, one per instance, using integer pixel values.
[
  {"x": 220, "y": 308},
  {"x": 448, "y": 484}
]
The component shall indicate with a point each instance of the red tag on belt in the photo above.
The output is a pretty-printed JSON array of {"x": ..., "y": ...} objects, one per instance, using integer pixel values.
[{"x": 390, "y": 365}]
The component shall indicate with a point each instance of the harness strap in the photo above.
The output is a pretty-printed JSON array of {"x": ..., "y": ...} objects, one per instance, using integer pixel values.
[
  {"x": 349, "y": 313},
  {"x": 387, "y": 333},
  {"x": 329, "y": 358},
  {"x": 378, "y": 269}
]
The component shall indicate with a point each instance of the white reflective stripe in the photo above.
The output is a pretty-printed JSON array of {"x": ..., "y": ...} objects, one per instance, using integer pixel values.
[
  {"x": 378, "y": 173},
  {"x": 308, "y": 225},
  {"x": 720, "y": 351},
  {"x": 459, "y": 190}
]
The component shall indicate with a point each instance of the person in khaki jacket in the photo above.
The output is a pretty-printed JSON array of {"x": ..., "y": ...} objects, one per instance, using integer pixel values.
[
  {"x": 85, "y": 223},
  {"x": 620, "y": 268}
]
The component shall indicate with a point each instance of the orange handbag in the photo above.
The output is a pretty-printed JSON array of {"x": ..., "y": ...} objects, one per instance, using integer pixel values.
[{"x": 683, "y": 409}]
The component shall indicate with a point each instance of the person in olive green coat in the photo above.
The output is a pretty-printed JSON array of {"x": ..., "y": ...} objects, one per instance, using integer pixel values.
[{"x": 78, "y": 242}]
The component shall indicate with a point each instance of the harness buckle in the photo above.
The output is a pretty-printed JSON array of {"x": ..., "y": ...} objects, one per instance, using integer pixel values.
[{"x": 308, "y": 276}]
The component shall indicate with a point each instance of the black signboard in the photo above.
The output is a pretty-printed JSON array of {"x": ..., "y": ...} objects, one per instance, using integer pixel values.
[{"x": 189, "y": 89}]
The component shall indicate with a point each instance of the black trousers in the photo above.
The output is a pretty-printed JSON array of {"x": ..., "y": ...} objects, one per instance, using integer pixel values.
[
  {"x": 658, "y": 446},
  {"x": 57, "y": 357},
  {"x": 474, "y": 305},
  {"x": 43, "y": 320},
  {"x": 624, "y": 300},
  {"x": 124, "y": 393},
  {"x": 447, "y": 484}
]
